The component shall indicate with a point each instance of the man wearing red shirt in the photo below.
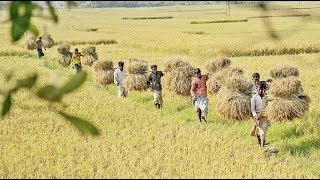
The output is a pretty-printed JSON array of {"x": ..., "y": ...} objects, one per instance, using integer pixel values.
[{"x": 199, "y": 95}]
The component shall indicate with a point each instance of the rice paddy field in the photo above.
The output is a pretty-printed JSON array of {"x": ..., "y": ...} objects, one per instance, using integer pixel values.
[{"x": 139, "y": 141}]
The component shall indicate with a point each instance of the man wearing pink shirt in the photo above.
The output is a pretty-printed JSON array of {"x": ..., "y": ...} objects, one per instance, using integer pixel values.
[{"x": 199, "y": 95}]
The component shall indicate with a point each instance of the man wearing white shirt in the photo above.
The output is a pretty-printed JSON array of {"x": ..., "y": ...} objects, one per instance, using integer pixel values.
[{"x": 119, "y": 76}]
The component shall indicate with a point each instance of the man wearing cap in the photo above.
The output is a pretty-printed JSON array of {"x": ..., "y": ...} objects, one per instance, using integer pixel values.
[
  {"x": 154, "y": 83},
  {"x": 199, "y": 94},
  {"x": 258, "y": 106}
]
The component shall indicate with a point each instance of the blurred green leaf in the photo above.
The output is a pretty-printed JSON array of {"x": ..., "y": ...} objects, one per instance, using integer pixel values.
[
  {"x": 6, "y": 105},
  {"x": 83, "y": 126},
  {"x": 28, "y": 82},
  {"x": 75, "y": 82},
  {"x": 52, "y": 12},
  {"x": 71, "y": 4},
  {"x": 20, "y": 14},
  {"x": 50, "y": 93},
  {"x": 34, "y": 29}
]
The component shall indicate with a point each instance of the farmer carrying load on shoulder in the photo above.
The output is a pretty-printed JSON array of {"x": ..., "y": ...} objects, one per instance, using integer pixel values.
[
  {"x": 154, "y": 83},
  {"x": 76, "y": 60},
  {"x": 258, "y": 106},
  {"x": 39, "y": 47},
  {"x": 199, "y": 94},
  {"x": 119, "y": 76}
]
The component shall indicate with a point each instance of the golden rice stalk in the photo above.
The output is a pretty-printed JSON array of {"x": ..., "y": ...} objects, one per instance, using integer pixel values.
[
  {"x": 167, "y": 79},
  {"x": 284, "y": 71},
  {"x": 136, "y": 82},
  {"x": 31, "y": 42},
  {"x": 238, "y": 84},
  {"x": 88, "y": 60},
  {"x": 64, "y": 49},
  {"x": 102, "y": 65},
  {"x": 284, "y": 87},
  {"x": 173, "y": 64},
  {"x": 104, "y": 77},
  {"x": 235, "y": 106},
  {"x": 65, "y": 59},
  {"x": 218, "y": 64},
  {"x": 281, "y": 109},
  {"x": 181, "y": 83},
  {"x": 90, "y": 51},
  {"x": 48, "y": 42},
  {"x": 137, "y": 66},
  {"x": 213, "y": 86}
]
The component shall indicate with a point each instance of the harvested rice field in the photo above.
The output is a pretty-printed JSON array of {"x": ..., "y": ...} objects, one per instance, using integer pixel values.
[{"x": 139, "y": 141}]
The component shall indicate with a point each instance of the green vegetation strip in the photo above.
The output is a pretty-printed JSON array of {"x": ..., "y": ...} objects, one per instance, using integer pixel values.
[
  {"x": 220, "y": 21},
  {"x": 268, "y": 52},
  {"x": 16, "y": 53},
  {"x": 160, "y": 17},
  {"x": 287, "y": 15},
  {"x": 94, "y": 42}
]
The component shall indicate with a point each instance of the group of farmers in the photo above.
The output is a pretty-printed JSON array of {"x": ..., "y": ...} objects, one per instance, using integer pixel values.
[{"x": 198, "y": 92}]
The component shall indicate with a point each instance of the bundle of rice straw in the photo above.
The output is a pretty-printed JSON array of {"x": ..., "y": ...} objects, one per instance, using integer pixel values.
[
  {"x": 178, "y": 76},
  {"x": 281, "y": 109},
  {"x": 233, "y": 105},
  {"x": 48, "y": 42},
  {"x": 90, "y": 56},
  {"x": 103, "y": 71},
  {"x": 285, "y": 87},
  {"x": 289, "y": 100},
  {"x": 31, "y": 42},
  {"x": 65, "y": 54},
  {"x": 284, "y": 71},
  {"x": 238, "y": 84},
  {"x": 217, "y": 64},
  {"x": 218, "y": 78},
  {"x": 136, "y": 78}
]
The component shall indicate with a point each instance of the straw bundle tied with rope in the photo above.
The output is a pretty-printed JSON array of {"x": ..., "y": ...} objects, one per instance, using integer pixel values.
[
  {"x": 233, "y": 105},
  {"x": 90, "y": 56},
  {"x": 48, "y": 42},
  {"x": 103, "y": 71},
  {"x": 65, "y": 54},
  {"x": 284, "y": 71},
  {"x": 136, "y": 78},
  {"x": 217, "y": 64},
  {"x": 178, "y": 76},
  {"x": 217, "y": 80},
  {"x": 30, "y": 42},
  {"x": 285, "y": 87}
]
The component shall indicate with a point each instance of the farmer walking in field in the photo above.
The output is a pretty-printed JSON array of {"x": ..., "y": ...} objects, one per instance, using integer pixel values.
[
  {"x": 39, "y": 47},
  {"x": 119, "y": 76},
  {"x": 154, "y": 83},
  {"x": 199, "y": 95},
  {"x": 76, "y": 60},
  {"x": 258, "y": 106}
]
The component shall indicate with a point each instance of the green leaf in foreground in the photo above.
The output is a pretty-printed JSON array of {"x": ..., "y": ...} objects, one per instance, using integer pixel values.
[
  {"x": 6, "y": 105},
  {"x": 52, "y": 12},
  {"x": 75, "y": 82},
  {"x": 83, "y": 126},
  {"x": 50, "y": 93},
  {"x": 20, "y": 15}
]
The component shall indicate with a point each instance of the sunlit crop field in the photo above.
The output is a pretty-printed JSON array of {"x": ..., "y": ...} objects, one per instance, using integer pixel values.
[{"x": 138, "y": 140}]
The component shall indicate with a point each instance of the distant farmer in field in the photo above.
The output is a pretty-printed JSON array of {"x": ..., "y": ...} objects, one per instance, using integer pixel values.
[
  {"x": 76, "y": 60},
  {"x": 39, "y": 47},
  {"x": 119, "y": 76},
  {"x": 199, "y": 95},
  {"x": 154, "y": 83},
  {"x": 255, "y": 83},
  {"x": 258, "y": 106}
]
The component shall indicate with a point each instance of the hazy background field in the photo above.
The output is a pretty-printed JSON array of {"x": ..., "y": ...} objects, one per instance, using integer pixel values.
[{"x": 139, "y": 141}]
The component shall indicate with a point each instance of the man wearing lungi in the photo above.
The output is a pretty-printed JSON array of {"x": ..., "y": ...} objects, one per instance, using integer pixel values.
[
  {"x": 154, "y": 83},
  {"x": 199, "y": 95}
]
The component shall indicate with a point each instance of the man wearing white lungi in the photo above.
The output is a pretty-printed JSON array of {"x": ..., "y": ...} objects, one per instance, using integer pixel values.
[
  {"x": 119, "y": 76},
  {"x": 154, "y": 83},
  {"x": 258, "y": 106},
  {"x": 199, "y": 95}
]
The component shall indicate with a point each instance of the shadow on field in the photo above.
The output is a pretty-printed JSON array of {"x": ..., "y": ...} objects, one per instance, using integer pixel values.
[
  {"x": 302, "y": 148},
  {"x": 289, "y": 133}
]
